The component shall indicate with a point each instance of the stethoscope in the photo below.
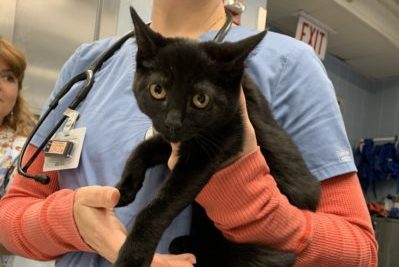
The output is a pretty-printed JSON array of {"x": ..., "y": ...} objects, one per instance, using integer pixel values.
[{"x": 88, "y": 77}]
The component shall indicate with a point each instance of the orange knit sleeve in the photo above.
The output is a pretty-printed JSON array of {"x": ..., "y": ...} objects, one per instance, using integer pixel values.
[
  {"x": 245, "y": 203},
  {"x": 36, "y": 220}
]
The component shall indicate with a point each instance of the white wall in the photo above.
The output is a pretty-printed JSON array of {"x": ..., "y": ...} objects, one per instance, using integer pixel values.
[
  {"x": 249, "y": 18},
  {"x": 371, "y": 107},
  {"x": 143, "y": 7}
]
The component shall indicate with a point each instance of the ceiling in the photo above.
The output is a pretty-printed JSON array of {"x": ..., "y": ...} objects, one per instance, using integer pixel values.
[{"x": 363, "y": 33}]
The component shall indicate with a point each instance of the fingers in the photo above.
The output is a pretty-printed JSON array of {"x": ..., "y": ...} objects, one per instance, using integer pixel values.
[
  {"x": 250, "y": 143},
  {"x": 244, "y": 110},
  {"x": 243, "y": 102},
  {"x": 181, "y": 260},
  {"x": 98, "y": 196},
  {"x": 174, "y": 156},
  {"x": 182, "y": 257}
]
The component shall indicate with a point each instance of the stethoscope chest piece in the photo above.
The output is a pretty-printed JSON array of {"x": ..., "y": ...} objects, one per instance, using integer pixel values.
[{"x": 151, "y": 132}]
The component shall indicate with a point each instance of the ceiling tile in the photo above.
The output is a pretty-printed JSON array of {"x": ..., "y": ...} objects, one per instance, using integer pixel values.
[{"x": 381, "y": 66}]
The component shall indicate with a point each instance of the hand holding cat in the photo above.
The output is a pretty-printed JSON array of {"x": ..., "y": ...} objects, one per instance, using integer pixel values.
[
  {"x": 250, "y": 143},
  {"x": 96, "y": 220},
  {"x": 102, "y": 231}
]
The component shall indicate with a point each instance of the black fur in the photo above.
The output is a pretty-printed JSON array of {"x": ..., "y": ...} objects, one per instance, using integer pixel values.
[{"x": 209, "y": 136}]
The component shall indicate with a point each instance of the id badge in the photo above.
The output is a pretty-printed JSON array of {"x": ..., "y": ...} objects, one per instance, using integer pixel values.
[{"x": 63, "y": 150}]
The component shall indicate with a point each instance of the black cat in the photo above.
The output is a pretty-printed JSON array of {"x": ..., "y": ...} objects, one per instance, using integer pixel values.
[{"x": 190, "y": 90}]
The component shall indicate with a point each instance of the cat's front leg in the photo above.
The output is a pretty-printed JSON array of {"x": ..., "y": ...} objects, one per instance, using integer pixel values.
[
  {"x": 149, "y": 153},
  {"x": 179, "y": 191}
]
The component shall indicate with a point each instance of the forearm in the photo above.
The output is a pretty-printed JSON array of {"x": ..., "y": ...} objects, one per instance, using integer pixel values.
[
  {"x": 36, "y": 220},
  {"x": 339, "y": 232}
]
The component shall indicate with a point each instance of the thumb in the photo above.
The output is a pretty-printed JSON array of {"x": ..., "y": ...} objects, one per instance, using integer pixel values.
[
  {"x": 98, "y": 196},
  {"x": 174, "y": 156}
]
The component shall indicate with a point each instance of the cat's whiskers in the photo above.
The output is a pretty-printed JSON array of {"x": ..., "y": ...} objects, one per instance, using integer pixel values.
[
  {"x": 209, "y": 142},
  {"x": 213, "y": 138},
  {"x": 204, "y": 146}
]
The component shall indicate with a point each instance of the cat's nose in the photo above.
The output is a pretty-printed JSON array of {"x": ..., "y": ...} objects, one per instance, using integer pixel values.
[{"x": 173, "y": 120}]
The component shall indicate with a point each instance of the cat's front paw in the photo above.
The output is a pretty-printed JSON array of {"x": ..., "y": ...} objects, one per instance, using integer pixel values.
[{"x": 126, "y": 196}]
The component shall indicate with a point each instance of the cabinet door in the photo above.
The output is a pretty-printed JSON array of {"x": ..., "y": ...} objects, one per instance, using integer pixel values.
[
  {"x": 49, "y": 31},
  {"x": 387, "y": 233}
]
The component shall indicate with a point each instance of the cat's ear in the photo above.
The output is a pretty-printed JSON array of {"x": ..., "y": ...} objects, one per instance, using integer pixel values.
[
  {"x": 148, "y": 41},
  {"x": 242, "y": 48},
  {"x": 234, "y": 53}
]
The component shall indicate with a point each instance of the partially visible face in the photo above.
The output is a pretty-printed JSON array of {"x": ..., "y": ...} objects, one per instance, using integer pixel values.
[{"x": 8, "y": 90}]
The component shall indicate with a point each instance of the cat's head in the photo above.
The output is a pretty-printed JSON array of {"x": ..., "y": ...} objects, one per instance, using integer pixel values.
[{"x": 187, "y": 87}]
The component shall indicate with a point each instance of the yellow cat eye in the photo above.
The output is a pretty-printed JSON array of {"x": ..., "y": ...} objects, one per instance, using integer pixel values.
[
  {"x": 157, "y": 91},
  {"x": 201, "y": 100}
]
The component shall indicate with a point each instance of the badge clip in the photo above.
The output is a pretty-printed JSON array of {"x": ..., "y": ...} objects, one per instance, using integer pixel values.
[{"x": 73, "y": 116}]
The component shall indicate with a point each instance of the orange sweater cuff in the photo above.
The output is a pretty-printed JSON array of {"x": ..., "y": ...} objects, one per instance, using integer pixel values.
[{"x": 56, "y": 225}]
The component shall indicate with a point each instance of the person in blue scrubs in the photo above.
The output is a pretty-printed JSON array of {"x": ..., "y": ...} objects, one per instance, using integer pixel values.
[{"x": 290, "y": 77}]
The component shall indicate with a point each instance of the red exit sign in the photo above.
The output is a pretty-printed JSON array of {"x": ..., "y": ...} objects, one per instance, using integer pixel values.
[{"x": 313, "y": 35}]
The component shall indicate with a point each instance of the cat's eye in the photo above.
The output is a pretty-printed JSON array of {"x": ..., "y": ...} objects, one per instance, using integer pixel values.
[
  {"x": 157, "y": 91},
  {"x": 201, "y": 100}
]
